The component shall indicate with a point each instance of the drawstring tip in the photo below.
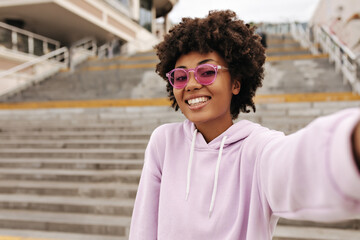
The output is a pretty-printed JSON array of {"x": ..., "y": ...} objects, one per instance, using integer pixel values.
[
  {"x": 187, "y": 196},
  {"x": 210, "y": 213}
]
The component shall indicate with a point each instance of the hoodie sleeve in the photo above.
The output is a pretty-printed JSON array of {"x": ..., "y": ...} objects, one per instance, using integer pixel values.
[
  {"x": 145, "y": 214},
  {"x": 312, "y": 174}
]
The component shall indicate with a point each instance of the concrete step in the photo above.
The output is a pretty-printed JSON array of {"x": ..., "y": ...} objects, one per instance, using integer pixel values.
[
  {"x": 65, "y": 175},
  {"x": 19, "y": 234},
  {"x": 121, "y": 61},
  {"x": 65, "y": 222},
  {"x": 73, "y": 153},
  {"x": 287, "y": 51},
  {"x": 88, "y": 123},
  {"x": 55, "y": 204},
  {"x": 349, "y": 224},
  {"x": 93, "y": 113},
  {"x": 76, "y": 135},
  {"x": 135, "y": 58},
  {"x": 274, "y": 40},
  {"x": 83, "y": 124},
  {"x": 71, "y": 143},
  {"x": 283, "y": 44},
  {"x": 273, "y": 50},
  {"x": 92, "y": 118},
  {"x": 314, "y": 233},
  {"x": 101, "y": 128},
  {"x": 77, "y": 189},
  {"x": 73, "y": 164}
]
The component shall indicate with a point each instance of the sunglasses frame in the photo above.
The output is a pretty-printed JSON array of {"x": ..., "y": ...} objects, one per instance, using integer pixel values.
[{"x": 187, "y": 71}]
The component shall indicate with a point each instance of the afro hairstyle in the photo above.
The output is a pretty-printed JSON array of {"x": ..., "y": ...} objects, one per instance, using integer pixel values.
[{"x": 222, "y": 32}]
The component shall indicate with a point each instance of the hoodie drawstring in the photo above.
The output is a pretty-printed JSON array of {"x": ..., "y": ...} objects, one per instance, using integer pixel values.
[
  {"x": 216, "y": 176},
  {"x": 216, "y": 171},
  {"x": 190, "y": 164}
]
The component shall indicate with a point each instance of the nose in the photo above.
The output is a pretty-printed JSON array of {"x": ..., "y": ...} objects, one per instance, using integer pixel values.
[{"x": 192, "y": 84}]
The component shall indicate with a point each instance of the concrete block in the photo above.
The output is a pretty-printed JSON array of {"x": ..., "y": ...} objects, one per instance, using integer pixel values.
[
  {"x": 25, "y": 233},
  {"x": 301, "y": 233}
]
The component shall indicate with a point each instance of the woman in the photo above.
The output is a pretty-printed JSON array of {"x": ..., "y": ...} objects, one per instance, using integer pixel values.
[{"x": 207, "y": 178}]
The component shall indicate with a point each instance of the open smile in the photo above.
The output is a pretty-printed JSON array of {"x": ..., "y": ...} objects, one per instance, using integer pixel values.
[{"x": 198, "y": 102}]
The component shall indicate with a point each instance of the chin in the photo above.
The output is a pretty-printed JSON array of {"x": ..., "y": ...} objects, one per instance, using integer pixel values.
[{"x": 197, "y": 118}]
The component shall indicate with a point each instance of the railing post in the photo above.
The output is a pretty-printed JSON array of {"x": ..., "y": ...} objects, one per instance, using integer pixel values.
[
  {"x": 45, "y": 47},
  {"x": 317, "y": 37},
  {"x": 14, "y": 40},
  {"x": 31, "y": 45},
  {"x": 66, "y": 58}
]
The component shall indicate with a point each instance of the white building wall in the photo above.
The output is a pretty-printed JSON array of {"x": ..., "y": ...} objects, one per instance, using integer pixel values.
[{"x": 343, "y": 18}]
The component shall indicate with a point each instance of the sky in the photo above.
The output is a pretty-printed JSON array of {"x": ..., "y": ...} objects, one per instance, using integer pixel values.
[{"x": 248, "y": 10}]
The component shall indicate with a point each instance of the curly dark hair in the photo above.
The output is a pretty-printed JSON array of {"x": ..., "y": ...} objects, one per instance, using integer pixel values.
[{"x": 231, "y": 38}]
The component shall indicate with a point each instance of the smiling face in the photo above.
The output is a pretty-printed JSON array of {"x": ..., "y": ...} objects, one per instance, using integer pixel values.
[{"x": 206, "y": 104}]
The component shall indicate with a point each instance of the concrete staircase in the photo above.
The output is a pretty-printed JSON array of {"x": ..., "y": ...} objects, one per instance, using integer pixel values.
[
  {"x": 72, "y": 173},
  {"x": 289, "y": 69},
  {"x": 117, "y": 78},
  {"x": 292, "y": 69}
]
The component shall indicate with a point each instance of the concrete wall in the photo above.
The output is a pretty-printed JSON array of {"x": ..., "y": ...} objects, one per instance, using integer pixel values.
[{"x": 343, "y": 18}]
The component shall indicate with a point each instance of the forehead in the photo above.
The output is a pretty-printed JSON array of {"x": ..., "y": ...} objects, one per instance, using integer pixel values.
[{"x": 193, "y": 59}]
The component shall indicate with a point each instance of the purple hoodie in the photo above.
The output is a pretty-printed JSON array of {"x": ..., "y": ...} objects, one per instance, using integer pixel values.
[{"x": 237, "y": 186}]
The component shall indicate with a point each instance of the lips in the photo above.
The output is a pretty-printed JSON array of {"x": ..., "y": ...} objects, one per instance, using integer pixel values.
[{"x": 197, "y": 102}]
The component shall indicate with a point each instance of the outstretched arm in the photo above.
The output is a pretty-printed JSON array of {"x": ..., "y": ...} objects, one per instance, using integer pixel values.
[{"x": 312, "y": 174}]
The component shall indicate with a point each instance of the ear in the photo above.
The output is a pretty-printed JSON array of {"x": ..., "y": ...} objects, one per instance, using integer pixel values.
[{"x": 236, "y": 87}]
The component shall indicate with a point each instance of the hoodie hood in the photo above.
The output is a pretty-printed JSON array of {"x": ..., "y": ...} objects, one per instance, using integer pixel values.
[{"x": 235, "y": 133}]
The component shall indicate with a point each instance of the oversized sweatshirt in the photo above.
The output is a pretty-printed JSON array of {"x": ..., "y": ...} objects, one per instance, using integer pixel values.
[{"x": 238, "y": 185}]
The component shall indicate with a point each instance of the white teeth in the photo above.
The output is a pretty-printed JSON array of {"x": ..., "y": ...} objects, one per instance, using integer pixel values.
[{"x": 197, "y": 100}]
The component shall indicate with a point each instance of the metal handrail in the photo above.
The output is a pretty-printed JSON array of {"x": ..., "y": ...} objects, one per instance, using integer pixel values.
[
  {"x": 103, "y": 51},
  {"x": 302, "y": 35},
  {"x": 345, "y": 60},
  {"x": 88, "y": 44},
  {"x": 58, "y": 52},
  {"x": 339, "y": 43}
]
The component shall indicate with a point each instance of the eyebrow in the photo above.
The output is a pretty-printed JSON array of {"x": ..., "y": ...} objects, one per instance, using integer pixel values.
[{"x": 199, "y": 63}]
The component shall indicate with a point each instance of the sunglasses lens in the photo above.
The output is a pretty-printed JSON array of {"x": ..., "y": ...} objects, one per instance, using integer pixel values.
[
  {"x": 178, "y": 78},
  {"x": 206, "y": 74}
]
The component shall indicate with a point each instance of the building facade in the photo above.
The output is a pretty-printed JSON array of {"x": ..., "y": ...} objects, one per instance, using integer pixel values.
[
  {"x": 132, "y": 22},
  {"x": 39, "y": 37},
  {"x": 343, "y": 19}
]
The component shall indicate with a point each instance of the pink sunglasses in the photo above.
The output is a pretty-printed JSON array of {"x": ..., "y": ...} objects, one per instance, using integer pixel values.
[{"x": 205, "y": 74}]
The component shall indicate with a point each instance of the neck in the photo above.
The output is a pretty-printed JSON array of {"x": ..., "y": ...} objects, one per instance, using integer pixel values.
[{"x": 212, "y": 130}]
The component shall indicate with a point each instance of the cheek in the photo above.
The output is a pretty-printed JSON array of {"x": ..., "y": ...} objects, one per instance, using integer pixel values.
[
  {"x": 178, "y": 95},
  {"x": 223, "y": 91}
]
